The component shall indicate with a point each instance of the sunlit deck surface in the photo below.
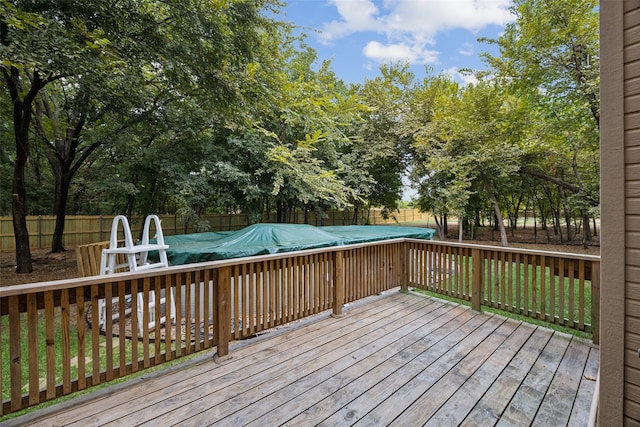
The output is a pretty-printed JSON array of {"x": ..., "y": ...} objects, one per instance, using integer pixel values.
[{"x": 398, "y": 359}]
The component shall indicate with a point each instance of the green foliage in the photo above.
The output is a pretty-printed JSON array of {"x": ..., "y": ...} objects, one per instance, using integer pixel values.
[{"x": 199, "y": 106}]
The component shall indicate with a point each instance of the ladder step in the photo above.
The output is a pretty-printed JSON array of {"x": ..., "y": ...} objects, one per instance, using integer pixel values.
[
  {"x": 136, "y": 249},
  {"x": 151, "y": 266}
]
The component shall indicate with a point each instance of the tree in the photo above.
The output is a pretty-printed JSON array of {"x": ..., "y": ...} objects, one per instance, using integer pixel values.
[
  {"x": 304, "y": 129},
  {"x": 160, "y": 51},
  {"x": 469, "y": 139},
  {"x": 375, "y": 160},
  {"x": 35, "y": 51},
  {"x": 549, "y": 57}
]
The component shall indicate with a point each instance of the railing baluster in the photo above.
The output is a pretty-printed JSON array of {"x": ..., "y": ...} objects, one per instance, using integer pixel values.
[
  {"x": 572, "y": 288},
  {"x": 247, "y": 270},
  {"x": 543, "y": 288},
  {"x": 66, "y": 341},
  {"x": 134, "y": 325},
  {"x": 338, "y": 282},
  {"x": 145, "y": 322},
  {"x": 199, "y": 323},
  {"x": 188, "y": 282},
  {"x": 561, "y": 290},
  {"x": 95, "y": 337},
  {"x": 15, "y": 367},
  {"x": 80, "y": 336},
  {"x": 510, "y": 282},
  {"x": 122, "y": 330},
  {"x": 157, "y": 285},
  {"x": 50, "y": 345},
  {"x": 595, "y": 301},
  {"x": 581, "y": 295},
  {"x": 179, "y": 281},
  {"x": 169, "y": 301},
  {"x": 32, "y": 353}
]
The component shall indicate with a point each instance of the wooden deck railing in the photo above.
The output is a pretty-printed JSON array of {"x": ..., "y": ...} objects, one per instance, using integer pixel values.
[
  {"x": 50, "y": 344},
  {"x": 558, "y": 288}
]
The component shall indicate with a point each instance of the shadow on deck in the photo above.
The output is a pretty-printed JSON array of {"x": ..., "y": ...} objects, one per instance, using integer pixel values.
[{"x": 398, "y": 359}]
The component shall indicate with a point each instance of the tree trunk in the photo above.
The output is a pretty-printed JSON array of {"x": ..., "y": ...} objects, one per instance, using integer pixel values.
[
  {"x": 60, "y": 209},
  {"x": 496, "y": 208},
  {"x": 439, "y": 227},
  {"x": 460, "y": 223},
  {"x": 22, "y": 115},
  {"x": 21, "y": 234},
  {"x": 586, "y": 235},
  {"x": 567, "y": 216}
]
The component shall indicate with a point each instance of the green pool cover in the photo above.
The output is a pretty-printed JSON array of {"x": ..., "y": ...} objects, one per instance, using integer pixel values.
[{"x": 261, "y": 239}]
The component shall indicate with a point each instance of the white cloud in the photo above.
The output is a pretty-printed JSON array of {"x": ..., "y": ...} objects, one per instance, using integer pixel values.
[
  {"x": 408, "y": 26},
  {"x": 466, "y": 49},
  {"x": 357, "y": 15},
  {"x": 394, "y": 52},
  {"x": 464, "y": 78},
  {"x": 432, "y": 16}
]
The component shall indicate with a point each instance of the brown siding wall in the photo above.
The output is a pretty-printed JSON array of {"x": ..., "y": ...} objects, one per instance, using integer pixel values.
[
  {"x": 631, "y": 42},
  {"x": 620, "y": 208},
  {"x": 631, "y": 154}
]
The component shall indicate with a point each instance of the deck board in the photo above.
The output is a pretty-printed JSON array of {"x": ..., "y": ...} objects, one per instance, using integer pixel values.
[
  {"x": 454, "y": 411},
  {"x": 399, "y": 359}
]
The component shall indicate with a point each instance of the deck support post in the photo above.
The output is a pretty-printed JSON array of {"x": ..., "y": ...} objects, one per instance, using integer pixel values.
[
  {"x": 338, "y": 283},
  {"x": 477, "y": 279},
  {"x": 595, "y": 301},
  {"x": 222, "y": 299},
  {"x": 404, "y": 278}
]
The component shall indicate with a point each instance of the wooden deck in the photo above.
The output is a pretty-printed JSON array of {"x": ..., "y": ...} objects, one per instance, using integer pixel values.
[{"x": 399, "y": 359}]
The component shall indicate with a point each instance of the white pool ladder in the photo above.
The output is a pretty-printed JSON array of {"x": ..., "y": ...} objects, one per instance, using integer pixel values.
[{"x": 137, "y": 259}]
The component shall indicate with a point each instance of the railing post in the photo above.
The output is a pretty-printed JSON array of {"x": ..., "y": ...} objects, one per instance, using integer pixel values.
[
  {"x": 222, "y": 298},
  {"x": 477, "y": 278},
  {"x": 595, "y": 301},
  {"x": 404, "y": 285},
  {"x": 338, "y": 283}
]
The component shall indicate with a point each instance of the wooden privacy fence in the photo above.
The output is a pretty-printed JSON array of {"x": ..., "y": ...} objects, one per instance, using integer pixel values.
[
  {"x": 51, "y": 346},
  {"x": 85, "y": 229}
]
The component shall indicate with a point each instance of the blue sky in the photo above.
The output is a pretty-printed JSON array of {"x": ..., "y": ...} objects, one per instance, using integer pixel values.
[{"x": 359, "y": 35}]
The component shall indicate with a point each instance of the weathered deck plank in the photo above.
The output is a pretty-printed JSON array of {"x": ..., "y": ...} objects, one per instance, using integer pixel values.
[
  {"x": 170, "y": 388},
  {"x": 581, "y": 408},
  {"x": 498, "y": 395},
  {"x": 466, "y": 397},
  {"x": 531, "y": 393},
  {"x": 379, "y": 394},
  {"x": 398, "y": 359},
  {"x": 556, "y": 408},
  {"x": 250, "y": 390},
  {"x": 295, "y": 397}
]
